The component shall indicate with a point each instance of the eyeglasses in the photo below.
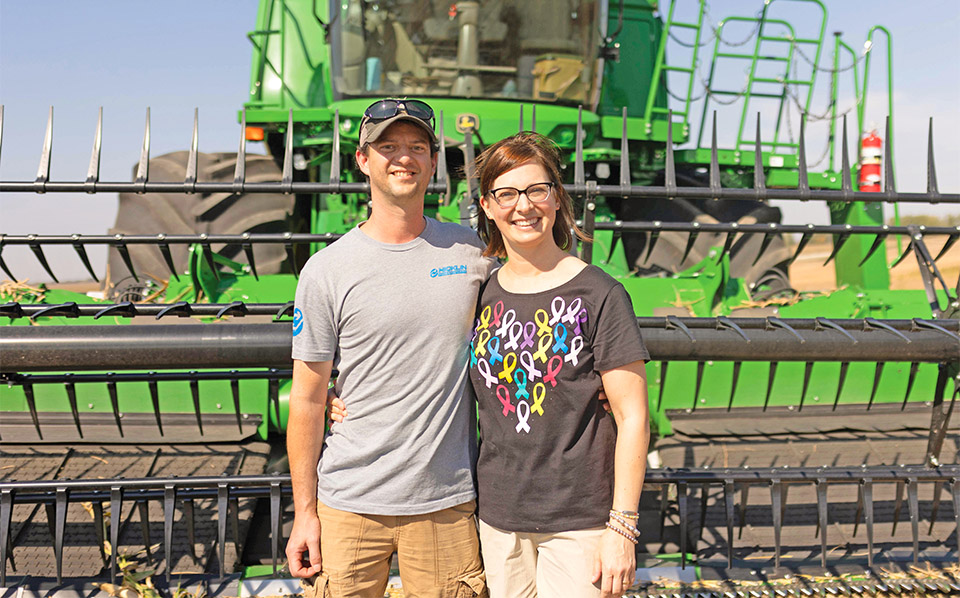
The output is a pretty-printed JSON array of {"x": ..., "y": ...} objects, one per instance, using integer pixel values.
[
  {"x": 385, "y": 109},
  {"x": 508, "y": 196}
]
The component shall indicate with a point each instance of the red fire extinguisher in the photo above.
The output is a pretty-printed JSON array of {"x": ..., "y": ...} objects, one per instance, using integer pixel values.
[{"x": 870, "y": 154}]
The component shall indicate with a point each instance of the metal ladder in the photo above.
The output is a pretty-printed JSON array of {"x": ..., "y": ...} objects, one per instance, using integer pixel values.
[{"x": 660, "y": 66}]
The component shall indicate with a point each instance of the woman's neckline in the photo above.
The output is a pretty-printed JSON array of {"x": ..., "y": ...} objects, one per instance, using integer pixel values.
[{"x": 552, "y": 289}]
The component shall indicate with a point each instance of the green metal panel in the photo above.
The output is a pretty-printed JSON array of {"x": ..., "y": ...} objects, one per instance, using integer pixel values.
[{"x": 627, "y": 82}]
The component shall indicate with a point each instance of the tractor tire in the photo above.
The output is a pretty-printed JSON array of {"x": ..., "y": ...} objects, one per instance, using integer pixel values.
[{"x": 211, "y": 213}]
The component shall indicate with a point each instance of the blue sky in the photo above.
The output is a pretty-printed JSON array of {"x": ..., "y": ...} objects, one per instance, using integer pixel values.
[{"x": 176, "y": 55}]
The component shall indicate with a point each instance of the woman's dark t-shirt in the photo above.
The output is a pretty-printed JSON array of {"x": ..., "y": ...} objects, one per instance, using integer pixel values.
[{"x": 547, "y": 445}]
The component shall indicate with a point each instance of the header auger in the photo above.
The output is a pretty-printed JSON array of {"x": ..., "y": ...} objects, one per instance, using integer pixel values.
[{"x": 831, "y": 404}]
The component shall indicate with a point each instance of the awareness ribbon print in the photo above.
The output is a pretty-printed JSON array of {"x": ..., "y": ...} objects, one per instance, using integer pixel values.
[
  {"x": 543, "y": 326},
  {"x": 576, "y": 345},
  {"x": 556, "y": 312},
  {"x": 581, "y": 322},
  {"x": 497, "y": 312},
  {"x": 484, "y": 368},
  {"x": 495, "y": 356},
  {"x": 529, "y": 329},
  {"x": 542, "y": 347},
  {"x": 481, "y": 349},
  {"x": 504, "y": 395},
  {"x": 509, "y": 364},
  {"x": 539, "y": 393},
  {"x": 526, "y": 360},
  {"x": 571, "y": 316},
  {"x": 552, "y": 372},
  {"x": 484, "y": 319},
  {"x": 560, "y": 334},
  {"x": 516, "y": 329},
  {"x": 522, "y": 385},
  {"x": 523, "y": 414},
  {"x": 508, "y": 319}
]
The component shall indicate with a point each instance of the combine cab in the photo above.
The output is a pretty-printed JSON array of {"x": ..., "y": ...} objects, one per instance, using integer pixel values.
[{"x": 149, "y": 424}]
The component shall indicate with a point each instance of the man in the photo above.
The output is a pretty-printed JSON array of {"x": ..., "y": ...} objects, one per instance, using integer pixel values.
[{"x": 390, "y": 305}]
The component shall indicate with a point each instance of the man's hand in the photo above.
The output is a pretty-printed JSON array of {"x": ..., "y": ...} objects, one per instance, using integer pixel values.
[
  {"x": 336, "y": 408},
  {"x": 303, "y": 547},
  {"x": 614, "y": 564}
]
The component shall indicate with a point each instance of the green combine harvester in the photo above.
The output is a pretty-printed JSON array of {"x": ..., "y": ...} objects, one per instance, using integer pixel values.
[{"x": 149, "y": 423}]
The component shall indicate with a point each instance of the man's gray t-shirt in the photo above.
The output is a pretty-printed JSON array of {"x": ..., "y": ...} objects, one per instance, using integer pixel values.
[{"x": 396, "y": 321}]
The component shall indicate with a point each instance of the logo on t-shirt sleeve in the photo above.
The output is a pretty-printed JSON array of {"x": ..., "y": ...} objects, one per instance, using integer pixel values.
[{"x": 297, "y": 321}]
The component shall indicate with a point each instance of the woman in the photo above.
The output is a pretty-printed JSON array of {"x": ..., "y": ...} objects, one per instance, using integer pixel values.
[{"x": 558, "y": 480}]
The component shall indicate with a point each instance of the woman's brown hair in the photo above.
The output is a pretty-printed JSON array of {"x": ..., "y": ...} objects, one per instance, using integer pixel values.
[{"x": 512, "y": 152}]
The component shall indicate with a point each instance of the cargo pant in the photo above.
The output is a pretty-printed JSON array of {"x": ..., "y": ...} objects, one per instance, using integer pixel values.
[{"x": 438, "y": 553}]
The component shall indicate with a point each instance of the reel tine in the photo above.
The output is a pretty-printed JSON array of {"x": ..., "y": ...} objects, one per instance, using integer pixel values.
[
  {"x": 155, "y": 400},
  {"x": 841, "y": 241},
  {"x": 240, "y": 170},
  {"x": 115, "y": 403},
  {"x": 124, "y": 252},
  {"x": 3, "y": 264},
  {"x": 859, "y": 513},
  {"x": 682, "y": 508},
  {"x": 37, "y": 250},
  {"x": 613, "y": 244},
  {"x": 727, "y": 243},
  {"x": 877, "y": 242},
  {"x": 889, "y": 184},
  {"x": 191, "y": 529},
  {"x": 670, "y": 170},
  {"x": 144, "y": 509},
  {"x": 223, "y": 493},
  {"x": 867, "y": 485},
  {"x": 167, "y": 257},
  {"x": 744, "y": 495},
  {"x": 714, "y": 162},
  {"x": 733, "y": 383},
  {"x": 43, "y": 170},
  {"x": 691, "y": 239},
  {"x": 235, "y": 391},
  {"x": 955, "y": 490},
  {"x": 664, "y": 491},
  {"x": 116, "y": 503},
  {"x": 703, "y": 510},
  {"x": 877, "y": 372},
  {"x": 625, "y": 155},
  {"x": 335, "y": 153},
  {"x": 759, "y": 178},
  {"x": 776, "y": 495},
  {"x": 195, "y": 393},
  {"x": 1, "y": 147},
  {"x": 772, "y": 374},
  {"x": 663, "y": 382},
  {"x": 98, "y": 525},
  {"x": 82, "y": 253},
  {"x": 903, "y": 255},
  {"x": 728, "y": 491},
  {"x": 71, "y": 389},
  {"x": 190, "y": 176},
  {"x": 143, "y": 168},
  {"x": 533, "y": 118},
  {"x": 946, "y": 246},
  {"x": 169, "y": 510},
  {"x": 233, "y": 510},
  {"x": 844, "y": 366},
  {"x": 932, "y": 188},
  {"x": 6, "y": 515},
  {"x": 520, "y": 128},
  {"x": 273, "y": 396},
  {"x": 276, "y": 538},
  {"x": 208, "y": 257},
  {"x": 807, "y": 370},
  {"x": 914, "y": 508},
  {"x": 60, "y": 515},
  {"x": 803, "y": 184},
  {"x": 579, "y": 177},
  {"x": 251, "y": 260},
  {"x": 291, "y": 259},
  {"x": 897, "y": 506},
  {"x": 846, "y": 179},
  {"x": 442, "y": 159},
  {"x": 804, "y": 239},
  {"x": 286, "y": 179},
  {"x": 696, "y": 392},
  {"x": 935, "y": 508},
  {"x": 910, "y": 380},
  {"x": 32, "y": 405},
  {"x": 654, "y": 237},
  {"x": 822, "y": 519},
  {"x": 767, "y": 239},
  {"x": 93, "y": 172}
]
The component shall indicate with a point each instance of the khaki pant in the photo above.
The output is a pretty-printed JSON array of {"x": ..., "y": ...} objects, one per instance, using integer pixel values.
[
  {"x": 439, "y": 554},
  {"x": 529, "y": 565}
]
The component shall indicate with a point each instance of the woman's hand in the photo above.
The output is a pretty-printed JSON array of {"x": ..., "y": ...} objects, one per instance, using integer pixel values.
[{"x": 615, "y": 564}]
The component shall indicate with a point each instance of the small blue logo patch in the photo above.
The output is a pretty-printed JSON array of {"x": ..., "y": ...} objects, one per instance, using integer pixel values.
[
  {"x": 297, "y": 321},
  {"x": 448, "y": 270}
]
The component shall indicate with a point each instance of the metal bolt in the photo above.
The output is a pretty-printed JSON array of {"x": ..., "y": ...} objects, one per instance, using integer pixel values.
[
  {"x": 89, "y": 405},
  {"x": 219, "y": 406}
]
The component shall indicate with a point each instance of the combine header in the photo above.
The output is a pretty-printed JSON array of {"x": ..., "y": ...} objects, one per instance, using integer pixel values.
[{"x": 163, "y": 443}]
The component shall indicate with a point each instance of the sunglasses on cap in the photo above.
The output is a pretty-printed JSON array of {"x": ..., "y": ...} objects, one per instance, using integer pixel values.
[{"x": 385, "y": 109}]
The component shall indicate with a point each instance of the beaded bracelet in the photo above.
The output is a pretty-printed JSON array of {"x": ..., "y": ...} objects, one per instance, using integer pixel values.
[
  {"x": 621, "y": 532},
  {"x": 631, "y": 528}
]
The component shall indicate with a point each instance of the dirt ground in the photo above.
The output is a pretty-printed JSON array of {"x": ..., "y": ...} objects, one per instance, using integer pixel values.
[{"x": 809, "y": 274}]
